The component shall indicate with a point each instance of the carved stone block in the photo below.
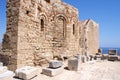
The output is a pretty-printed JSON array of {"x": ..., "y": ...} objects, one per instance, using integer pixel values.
[
  {"x": 73, "y": 64},
  {"x": 52, "y": 72},
  {"x": 7, "y": 75},
  {"x": 26, "y": 72},
  {"x": 3, "y": 69},
  {"x": 55, "y": 64}
]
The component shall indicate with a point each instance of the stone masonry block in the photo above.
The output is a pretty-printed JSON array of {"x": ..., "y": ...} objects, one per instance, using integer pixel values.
[
  {"x": 26, "y": 72},
  {"x": 56, "y": 31},
  {"x": 1, "y": 64},
  {"x": 3, "y": 69},
  {"x": 55, "y": 64},
  {"x": 52, "y": 72},
  {"x": 7, "y": 75},
  {"x": 73, "y": 64},
  {"x": 84, "y": 59}
]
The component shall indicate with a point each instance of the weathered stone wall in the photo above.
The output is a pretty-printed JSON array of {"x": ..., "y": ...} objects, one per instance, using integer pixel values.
[
  {"x": 9, "y": 45},
  {"x": 39, "y": 30},
  {"x": 93, "y": 37},
  {"x": 90, "y": 39},
  {"x": 0, "y": 46}
]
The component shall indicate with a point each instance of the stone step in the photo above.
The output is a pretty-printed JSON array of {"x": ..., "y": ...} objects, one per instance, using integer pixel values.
[
  {"x": 55, "y": 64},
  {"x": 52, "y": 72}
]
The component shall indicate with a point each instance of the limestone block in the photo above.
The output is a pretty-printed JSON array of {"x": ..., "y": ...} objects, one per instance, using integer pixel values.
[
  {"x": 52, "y": 72},
  {"x": 87, "y": 58},
  {"x": 8, "y": 75},
  {"x": 78, "y": 56},
  {"x": 55, "y": 64},
  {"x": 3, "y": 69},
  {"x": 26, "y": 72},
  {"x": 113, "y": 58},
  {"x": 84, "y": 59},
  {"x": 112, "y": 52},
  {"x": 1, "y": 64},
  {"x": 118, "y": 58},
  {"x": 73, "y": 64},
  {"x": 91, "y": 62},
  {"x": 98, "y": 59}
]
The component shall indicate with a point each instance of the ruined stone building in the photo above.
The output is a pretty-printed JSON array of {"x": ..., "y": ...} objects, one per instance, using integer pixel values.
[{"x": 38, "y": 30}]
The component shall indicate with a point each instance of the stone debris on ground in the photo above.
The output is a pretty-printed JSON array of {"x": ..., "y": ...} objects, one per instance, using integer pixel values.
[
  {"x": 99, "y": 70},
  {"x": 104, "y": 70},
  {"x": 55, "y": 64},
  {"x": 52, "y": 72},
  {"x": 5, "y": 74},
  {"x": 55, "y": 68},
  {"x": 39, "y": 30},
  {"x": 73, "y": 64},
  {"x": 1, "y": 64},
  {"x": 26, "y": 72}
]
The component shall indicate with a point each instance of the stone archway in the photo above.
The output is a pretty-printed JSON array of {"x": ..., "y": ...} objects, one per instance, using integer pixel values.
[
  {"x": 43, "y": 21},
  {"x": 59, "y": 35},
  {"x": 59, "y": 28}
]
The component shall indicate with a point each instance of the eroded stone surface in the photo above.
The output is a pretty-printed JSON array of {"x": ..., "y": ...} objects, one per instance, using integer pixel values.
[
  {"x": 73, "y": 64},
  {"x": 26, "y": 72},
  {"x": 55, "y": 64},
  {"x": 1, "y": 64},
  {"x": 3, "y": 69},
  {"x": 52, "y": 72},
  {"x": 7, "y": 75},
  {"x": 38, "y": 30}
]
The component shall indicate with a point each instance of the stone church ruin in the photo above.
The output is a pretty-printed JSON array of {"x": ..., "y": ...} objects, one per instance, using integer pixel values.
[{"x": 40, "y": 30}]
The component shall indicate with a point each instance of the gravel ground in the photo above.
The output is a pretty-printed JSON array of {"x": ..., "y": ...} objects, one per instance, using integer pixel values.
[{"x": 102, "y": 70}]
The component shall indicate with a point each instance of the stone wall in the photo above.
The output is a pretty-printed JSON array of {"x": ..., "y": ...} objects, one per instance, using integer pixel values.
[
  {"x": 91, "y": 37},
  {"x": 0, "y": 46},
  {"x": 39, "y": 30},
  {"x": 9, "y": 44}
]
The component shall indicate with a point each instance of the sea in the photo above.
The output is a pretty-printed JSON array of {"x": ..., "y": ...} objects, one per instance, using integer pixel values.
[{"x": 105, "y": 50}]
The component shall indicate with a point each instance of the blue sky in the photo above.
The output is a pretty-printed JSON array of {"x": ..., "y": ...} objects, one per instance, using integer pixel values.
[{"x": 104, "y": 12}]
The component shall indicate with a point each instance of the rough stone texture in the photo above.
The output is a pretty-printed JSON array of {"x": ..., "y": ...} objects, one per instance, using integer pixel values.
[
  {"x": 1, "y": 64},
  {"x": 84, "y": 59},
  {"x": 104, "y": 70},
  {"x": 52, "y": 72},
  {"x": 26, "y": 72},
  {"x": 55, "y": 64},
  {"x": 0, "y": 46},
  {"x": 8, "y": 75},
  {"x": 112, "y": 52},
  {"x": 91, "y": 37},
  {"x": 3, "y": 69},
  {"x": 5, "y": 74},
  {"x": 73, "y": 64},
  {"x": 38, "y": 30}
]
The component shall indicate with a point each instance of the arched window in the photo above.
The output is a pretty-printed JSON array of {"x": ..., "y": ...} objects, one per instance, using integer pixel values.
[
  {"x": 73, "y": 29},
  {"x": 59, "y": 28},
  {"x": 43, "y": 21},
  {"x": 42, "y": 25}
]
